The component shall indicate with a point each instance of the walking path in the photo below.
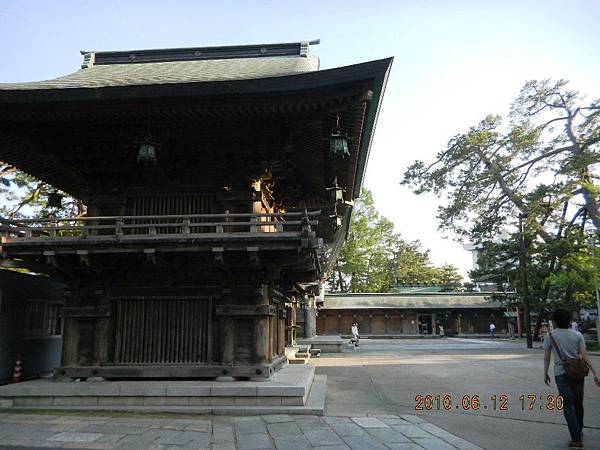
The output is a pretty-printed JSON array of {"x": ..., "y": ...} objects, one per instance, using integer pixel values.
[{"x": 406, "y": 432}]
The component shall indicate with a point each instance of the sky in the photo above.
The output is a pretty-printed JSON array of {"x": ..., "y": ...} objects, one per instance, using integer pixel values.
[{"x": 454, "y": 63}]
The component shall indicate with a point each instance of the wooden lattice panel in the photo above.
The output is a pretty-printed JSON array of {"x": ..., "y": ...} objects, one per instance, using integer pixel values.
[{"x": 162, "y": 330}]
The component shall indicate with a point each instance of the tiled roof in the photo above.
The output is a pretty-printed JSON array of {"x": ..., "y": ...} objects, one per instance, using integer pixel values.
[
  {"x": 424, "y": 301},
  {"x": 98, "y": 76},
  {"x": 182, "y": 65}
]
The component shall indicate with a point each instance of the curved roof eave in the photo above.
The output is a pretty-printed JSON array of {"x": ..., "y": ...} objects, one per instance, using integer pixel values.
[{"x": 375, "y": 70}]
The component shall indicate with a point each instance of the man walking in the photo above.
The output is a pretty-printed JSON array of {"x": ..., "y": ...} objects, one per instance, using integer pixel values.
[
  {"x": 564, "y": 342},
  {"x": 492, "y": 329},
  {"x": 355, "y": 336}
]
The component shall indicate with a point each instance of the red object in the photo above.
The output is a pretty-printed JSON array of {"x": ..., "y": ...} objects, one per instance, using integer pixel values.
[{"x": 18, "y": 373}]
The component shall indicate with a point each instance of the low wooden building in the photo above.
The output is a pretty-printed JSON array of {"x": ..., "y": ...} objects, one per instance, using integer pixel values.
[
  {"x": 30, "y": 324},
  {"x": 218, "y": 183},
  {"x": 411, "y": 314}
]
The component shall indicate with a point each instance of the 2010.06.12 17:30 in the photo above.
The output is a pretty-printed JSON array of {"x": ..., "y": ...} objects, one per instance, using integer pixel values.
[{"x": 495, "y": 402}]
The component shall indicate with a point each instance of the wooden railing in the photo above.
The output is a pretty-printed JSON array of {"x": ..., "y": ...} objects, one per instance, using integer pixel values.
[{"x": 113, "y": 226}]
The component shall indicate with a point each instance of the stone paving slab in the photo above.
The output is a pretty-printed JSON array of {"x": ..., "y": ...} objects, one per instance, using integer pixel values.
[{"x": 275, "y": 431}]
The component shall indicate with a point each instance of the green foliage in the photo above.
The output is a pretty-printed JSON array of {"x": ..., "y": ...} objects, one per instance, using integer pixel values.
[
  {"x": 560, "y": 274},
  {"x": 26, "y": 197},
  {"x": 548, "y": 153},
  {"x": 542, "y": 164},
  {"x": 374, "y": 257},
  {"x": 449, "y": 278}
]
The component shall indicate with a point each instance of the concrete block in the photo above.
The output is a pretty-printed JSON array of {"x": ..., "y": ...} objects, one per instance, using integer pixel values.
[
  {"x": 182, "y": 438},
  {"x": 349, "y": 429},
  {"x": 246, "y": 401},
  {"x": 364, "y": 443},
  {"x": 318, "y": 394},
  {"x": 369, "y": 422},
  {"x": 412, "y": 418},
  {"x": 277, "y": 418},
  {"x": 75, "y": 401},
  {"x": 113, "y": 429},
  {"x": 149, "y": 388},
  {"x": 33, "y": 401},
  {"x": 434, "y": 443},
  {"x": 166, "y": 401},
  {"x": 411, "y": 446},
  {"x": 412, "y": 431},
  {"x": 223, "y": 434},
  {"x": 231, "y": 390},
  {"x": 292, "y": 401},
  {"x": 120, "y": 401},
  {"x": 269, "y": 401},
  {"x": 75, "y": 437},
  {"x": 188, "y": 391},
  {"x": 294, "y": 443},
  {"x": 6, "y": 403},
  {"x": 283, "y": 429},
  {"x": 253, "y": 441},
  {"x": 199, "y": 401},
  {"x": 221, "y": 401},
  {"x": 388, "y": 435},
  {"x": 322, "y": 435}
]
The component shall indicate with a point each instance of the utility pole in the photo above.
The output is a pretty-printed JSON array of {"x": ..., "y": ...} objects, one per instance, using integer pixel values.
[{"x": 526, "y": 307}]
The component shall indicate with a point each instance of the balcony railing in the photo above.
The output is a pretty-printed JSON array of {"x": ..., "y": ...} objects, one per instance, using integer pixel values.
[{"x": 166, "y": 225}]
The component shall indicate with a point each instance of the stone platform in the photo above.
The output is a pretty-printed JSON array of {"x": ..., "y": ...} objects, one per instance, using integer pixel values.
[
  {"x": 293, "y": 389},
  {"x": 327, "y": 344}
]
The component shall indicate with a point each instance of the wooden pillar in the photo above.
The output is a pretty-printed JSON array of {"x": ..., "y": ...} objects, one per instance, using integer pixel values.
[
  {"x": 310, "y": 320},
  {"x": 101, "y": 343},
  {"x": 261, "y": 328},
  {"x": 70, "y": 353},
  {"x": 70, "y": 340},
  {"x": 228, "y": 333},
  {"x": 293, "y": 323}
]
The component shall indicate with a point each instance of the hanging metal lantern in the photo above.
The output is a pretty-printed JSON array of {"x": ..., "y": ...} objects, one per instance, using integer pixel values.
[
  {"x": 54, "y": 200},
  {"x": 336, "y": 192},
  {"x": 147, "y": 153},
  {"x": 338, "y": 142}
]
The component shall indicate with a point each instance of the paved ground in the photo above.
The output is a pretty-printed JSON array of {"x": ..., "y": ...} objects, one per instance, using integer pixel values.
[
  {"x": 370, "y": 405},
  {"x": 243, "y": 433},
  {"x": 385, "y": 376}
]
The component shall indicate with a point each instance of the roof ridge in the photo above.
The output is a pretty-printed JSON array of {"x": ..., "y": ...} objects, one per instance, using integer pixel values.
[{"x": 91, "y": 58}]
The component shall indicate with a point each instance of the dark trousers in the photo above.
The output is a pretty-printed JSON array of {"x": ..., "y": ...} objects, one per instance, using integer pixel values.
[{"x": 572, "y": 394}]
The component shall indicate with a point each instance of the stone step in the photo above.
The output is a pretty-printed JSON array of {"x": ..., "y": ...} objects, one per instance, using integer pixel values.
[
  {"x": 314, "y": 404},
  {"x": 289, "y": 387},
  {"x": 315, "y": 352},
  {"x": 298, "y": 361}
]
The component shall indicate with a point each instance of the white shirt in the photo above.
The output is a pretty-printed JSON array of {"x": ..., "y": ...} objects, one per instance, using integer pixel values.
[
  {"x": 354, "y": 330},
  {"x": 492, "y": 327},
  {"x": 574, "y": 326}
]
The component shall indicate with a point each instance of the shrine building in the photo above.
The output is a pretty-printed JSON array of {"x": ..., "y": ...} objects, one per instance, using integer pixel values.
[{"x": 218, "y": 182}]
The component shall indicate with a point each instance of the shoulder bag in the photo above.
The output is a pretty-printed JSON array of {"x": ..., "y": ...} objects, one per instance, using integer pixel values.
[{"x": 576, "y": 368}]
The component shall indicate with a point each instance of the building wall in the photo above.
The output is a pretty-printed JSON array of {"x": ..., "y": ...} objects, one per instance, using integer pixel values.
[
  {"x": 21, "y": 296},
  {"x": 398, "y": 321}
]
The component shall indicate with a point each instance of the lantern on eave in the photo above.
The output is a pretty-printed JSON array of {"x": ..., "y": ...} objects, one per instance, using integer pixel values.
[
  {"x": 147, "y": 152},
  {"x": 54, "y": 200},
  {"x": 338, "y": 142}
]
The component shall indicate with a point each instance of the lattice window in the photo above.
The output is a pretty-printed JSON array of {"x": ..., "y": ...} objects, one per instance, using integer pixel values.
[{"x": 42, "y": 319}]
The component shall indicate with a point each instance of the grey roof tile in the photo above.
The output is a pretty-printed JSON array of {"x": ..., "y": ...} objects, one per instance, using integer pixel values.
[{"x": 99, "y": 76}]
